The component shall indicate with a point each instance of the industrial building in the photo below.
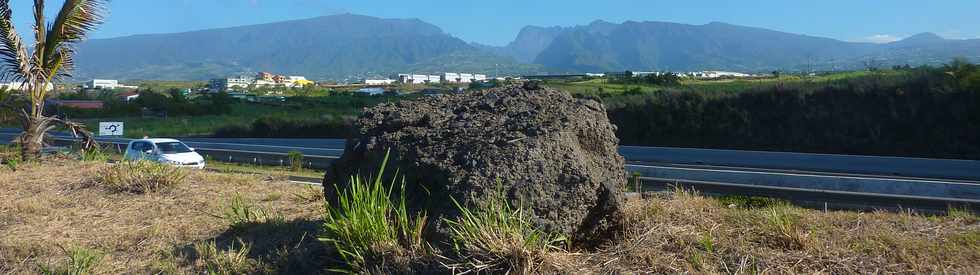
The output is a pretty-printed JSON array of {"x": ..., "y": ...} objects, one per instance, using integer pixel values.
[
  {"x": 444, "y": 78},
  {"x": 106, "y": 84},
  {"x": 231, "y": 83},
  {"x": 379, "y": 81}
]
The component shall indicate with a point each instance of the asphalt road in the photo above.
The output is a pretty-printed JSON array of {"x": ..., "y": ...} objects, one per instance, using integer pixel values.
[
  {"x": 966, "y": 170},
  {"x": 830, "y": 181}
]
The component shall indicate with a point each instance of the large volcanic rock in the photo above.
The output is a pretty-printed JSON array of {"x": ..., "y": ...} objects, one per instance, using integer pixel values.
[{"x": 545, "y": 150}]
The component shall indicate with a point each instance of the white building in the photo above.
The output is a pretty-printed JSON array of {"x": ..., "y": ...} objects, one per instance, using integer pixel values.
[
  {"x": 417, "y": 78},
  {"x": 444, "y": 78},
  {"x": 19, "y": 86},
  {"x": 231, "y": 83},
  {"x": 420, "y": 79},
  {"x": 716, "y": 74},
  {"x": 451, "y": 78},
  {"x": 434, "y": 79},
  {"x": 379, "y": 81},
  {"x": 106, "y": 84}
]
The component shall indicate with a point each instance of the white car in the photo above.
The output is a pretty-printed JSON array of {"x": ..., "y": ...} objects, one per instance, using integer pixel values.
[{"x": 164, "y": 150}]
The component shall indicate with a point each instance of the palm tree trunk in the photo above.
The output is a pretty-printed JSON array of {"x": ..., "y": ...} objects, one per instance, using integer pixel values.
[
  {"x": 32, "y": 140},
  {"x": 35, "y": 128}
]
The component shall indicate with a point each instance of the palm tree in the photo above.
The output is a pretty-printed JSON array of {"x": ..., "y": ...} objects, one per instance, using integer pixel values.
[{"x": 49, "y": 60}]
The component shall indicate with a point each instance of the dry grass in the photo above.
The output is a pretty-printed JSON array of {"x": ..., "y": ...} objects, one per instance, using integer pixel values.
[
  {"x": 48, "y": 215},
  {"x": 46, "y": 207},
  {"x": 685, "y": 232},
  {"x": 139, "y": 177}
]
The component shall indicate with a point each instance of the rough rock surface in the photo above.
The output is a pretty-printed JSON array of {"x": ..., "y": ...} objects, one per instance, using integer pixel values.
[{"x": 545, "y": 150}]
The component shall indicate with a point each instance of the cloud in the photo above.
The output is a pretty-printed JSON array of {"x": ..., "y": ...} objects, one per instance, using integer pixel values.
[{"x": 880, "y": 38}]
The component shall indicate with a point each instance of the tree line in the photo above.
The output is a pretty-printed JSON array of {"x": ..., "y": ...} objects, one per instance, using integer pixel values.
[
  {"x": 173, "y": 102},
  {"x": 925, "y": 112}
]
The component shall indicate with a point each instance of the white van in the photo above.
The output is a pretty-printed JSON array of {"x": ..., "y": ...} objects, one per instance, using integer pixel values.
[{"x": 164, "y": 150}]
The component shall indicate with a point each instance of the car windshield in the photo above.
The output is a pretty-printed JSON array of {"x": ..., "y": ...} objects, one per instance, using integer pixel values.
[{"x": 173, "y": 148}]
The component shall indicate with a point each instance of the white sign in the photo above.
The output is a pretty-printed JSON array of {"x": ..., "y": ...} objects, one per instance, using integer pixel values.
[{"x": 110, "y": 128}]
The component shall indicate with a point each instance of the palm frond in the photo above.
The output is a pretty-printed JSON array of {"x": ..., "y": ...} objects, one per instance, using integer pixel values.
[
  {"x": 74, "y": 21},
  {"x": 14, "y": 58}
]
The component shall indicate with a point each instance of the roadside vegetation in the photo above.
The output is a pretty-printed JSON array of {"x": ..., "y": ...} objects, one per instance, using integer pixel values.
[
  {"x": 173, "y": 114},
  {"x": 920, "y": 112},
  {"x": 57, "y": 217}
]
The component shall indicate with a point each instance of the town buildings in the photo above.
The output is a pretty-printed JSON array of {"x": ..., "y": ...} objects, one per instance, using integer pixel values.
[{"x": 262, "y": 79}]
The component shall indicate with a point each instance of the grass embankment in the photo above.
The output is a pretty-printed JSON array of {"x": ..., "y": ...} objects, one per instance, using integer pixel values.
[{"x": 247, "y": 224}]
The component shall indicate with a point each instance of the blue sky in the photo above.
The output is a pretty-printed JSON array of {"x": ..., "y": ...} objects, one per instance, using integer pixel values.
[{"x": 497, "y": 22}]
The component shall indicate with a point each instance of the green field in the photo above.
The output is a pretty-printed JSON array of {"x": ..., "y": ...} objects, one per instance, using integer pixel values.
[{"x": 603, "y": 85}]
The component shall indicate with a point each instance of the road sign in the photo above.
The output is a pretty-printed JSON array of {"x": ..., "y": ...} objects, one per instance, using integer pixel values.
[{"x": 110, "y": 128}]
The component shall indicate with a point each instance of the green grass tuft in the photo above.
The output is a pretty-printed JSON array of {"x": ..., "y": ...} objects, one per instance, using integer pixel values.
[
  {"x": 225, "y": 261},
  {"x": 241, "y": 214},
  {"x": 80, "y": 261},
  {"x": 500, "y": 238},
  {"x": 367, "y": 223},
  {"x": 295, "y": 161}
]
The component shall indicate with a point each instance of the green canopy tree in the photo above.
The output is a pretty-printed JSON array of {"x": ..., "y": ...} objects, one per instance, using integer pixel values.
[{"x": 49, "y": 60}]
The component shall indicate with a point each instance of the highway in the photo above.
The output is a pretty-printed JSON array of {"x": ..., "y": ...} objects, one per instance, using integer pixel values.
[{"x": 797, "y": 176}]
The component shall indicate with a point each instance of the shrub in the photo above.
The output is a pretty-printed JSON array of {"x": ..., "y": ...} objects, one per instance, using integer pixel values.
[
  {"x": 500, "y": 238},
  {"x": 80, "y": 261},
  {"x": 295, "y": 161},
  {"x": 140, "y": 177},
  {"x": 367, "y": 223}
]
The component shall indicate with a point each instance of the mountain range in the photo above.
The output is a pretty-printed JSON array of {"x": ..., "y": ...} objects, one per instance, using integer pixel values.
[{"x": 354, "y": 46}]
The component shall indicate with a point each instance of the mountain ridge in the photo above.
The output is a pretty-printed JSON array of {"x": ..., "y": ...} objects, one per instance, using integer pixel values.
[{"x": 350, "y": 47}]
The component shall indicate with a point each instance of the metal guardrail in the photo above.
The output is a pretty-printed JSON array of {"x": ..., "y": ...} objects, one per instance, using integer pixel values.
[{"x": 828, "y": 191}]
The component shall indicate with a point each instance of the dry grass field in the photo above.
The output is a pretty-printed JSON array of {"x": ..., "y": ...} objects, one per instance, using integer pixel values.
[
  {"x": 53, "y": 213},
  {"x": 59, "y": 217}
]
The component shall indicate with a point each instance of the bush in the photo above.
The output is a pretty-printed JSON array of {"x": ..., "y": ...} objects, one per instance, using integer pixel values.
[
  {"x": 500, "y": 239},
  {"x": 140, "y": 177},
  {"x": 367, "y": 225}
]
